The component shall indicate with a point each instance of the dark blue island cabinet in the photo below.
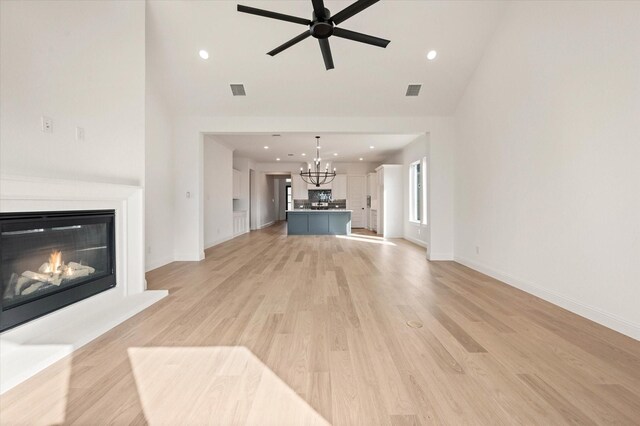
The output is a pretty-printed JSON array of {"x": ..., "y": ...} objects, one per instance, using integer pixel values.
[{"x": 318, "y": 222}]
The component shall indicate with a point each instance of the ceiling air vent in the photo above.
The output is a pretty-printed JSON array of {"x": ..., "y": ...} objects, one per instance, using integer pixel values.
[
  {"x": 413, "y": 89},
  {"x": 238, "y": 90}
]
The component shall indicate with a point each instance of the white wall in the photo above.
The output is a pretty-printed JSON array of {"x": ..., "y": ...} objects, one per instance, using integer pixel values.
[
  {"x": 218, "y": 192},
  {"x": 415, "y": 151},
  {"x": 436, "y": 234},
  {"x": 159, "y": 181},
  {"x": 81, "y": 64},
  {"x": 359, "y": 168},
  {"x": 547, "y": 179},
  {"x": 243, "y": 165},
  {"x": 266, "y": 199}
]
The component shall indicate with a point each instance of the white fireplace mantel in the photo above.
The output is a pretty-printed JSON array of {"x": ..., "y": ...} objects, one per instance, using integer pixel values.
[{"x": 29, "y": 348}]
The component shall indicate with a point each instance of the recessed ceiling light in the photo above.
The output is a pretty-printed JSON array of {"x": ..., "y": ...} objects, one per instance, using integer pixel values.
[
  {"x": 335, "y": 154},
  {"x": 361, "y": 158},
  {"x": 304, "y": 155},
  {"x": 371, "y": 147},
  {"x": 204, "y": 54},
  {"x": 432, "y": 55},
  {"x": 277, "y": 159},
  {"x": 266, "y": 147}
]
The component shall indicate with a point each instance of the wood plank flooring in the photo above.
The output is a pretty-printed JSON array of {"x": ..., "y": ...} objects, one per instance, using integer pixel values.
[{"x": 271, "y": 329}]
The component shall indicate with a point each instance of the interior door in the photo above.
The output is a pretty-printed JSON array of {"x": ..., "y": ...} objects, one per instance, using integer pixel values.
[{"x": 356, "y": 200}]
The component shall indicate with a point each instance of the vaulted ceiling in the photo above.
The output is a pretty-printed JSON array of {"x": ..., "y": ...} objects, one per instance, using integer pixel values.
[{"x": 366, "y": 81}]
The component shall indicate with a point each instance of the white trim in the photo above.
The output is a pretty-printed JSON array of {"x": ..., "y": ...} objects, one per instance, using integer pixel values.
[
  {"x": 416, "y": 241},
  {"x": 604, "y": 318},
  {"x": 266, "y": 225},
  {"x": 440, "y": 256},
  {"x": 188, "y": 257},
  {"x": 157, "y": 263},
  {"x": 246, "y": 231},
  {"x": 220, "y": 241}
]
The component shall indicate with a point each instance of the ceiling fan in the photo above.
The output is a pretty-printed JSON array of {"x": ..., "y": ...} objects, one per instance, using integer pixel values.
[{"x": 322, "y": 26}]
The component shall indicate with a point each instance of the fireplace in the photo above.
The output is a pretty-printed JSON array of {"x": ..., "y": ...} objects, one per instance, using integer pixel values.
[{"x": 49, "y": 260}]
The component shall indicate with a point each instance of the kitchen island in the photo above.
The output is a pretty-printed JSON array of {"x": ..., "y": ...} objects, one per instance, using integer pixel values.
[{"x": 319, "y": 222}]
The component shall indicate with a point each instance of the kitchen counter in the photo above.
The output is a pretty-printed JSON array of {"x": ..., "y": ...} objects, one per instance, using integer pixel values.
[
  {"x": 318, "y": 210},
  {"x": 319, "y": 222}
]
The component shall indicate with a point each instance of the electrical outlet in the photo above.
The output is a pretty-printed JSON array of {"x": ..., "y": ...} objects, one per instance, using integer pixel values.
[
  {"x": 188, "y": 194},
  {"x": 477, "y": 249},
  {"x": 79, "y": 133},
  {"x": 149, "y": 250},
  {"x": 47, "y": 124}
]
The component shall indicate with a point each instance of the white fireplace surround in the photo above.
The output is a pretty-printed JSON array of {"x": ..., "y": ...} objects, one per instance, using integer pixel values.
[{"x": 29, "y": 348}]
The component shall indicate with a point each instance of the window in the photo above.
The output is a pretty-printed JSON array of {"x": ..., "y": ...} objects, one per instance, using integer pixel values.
[
  {"x": 289, "y": 198},
  {"x": 417, "y": 191}
]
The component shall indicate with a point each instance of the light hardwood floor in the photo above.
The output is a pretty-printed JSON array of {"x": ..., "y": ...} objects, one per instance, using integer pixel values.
[{"x": 271, "y": 329}]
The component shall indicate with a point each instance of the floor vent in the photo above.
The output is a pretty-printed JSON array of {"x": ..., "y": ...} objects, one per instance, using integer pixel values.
[
  {"x": 414, "y": 324},
  {"x": 413, "y": 89},
  {"x": 238, "y": 90}
]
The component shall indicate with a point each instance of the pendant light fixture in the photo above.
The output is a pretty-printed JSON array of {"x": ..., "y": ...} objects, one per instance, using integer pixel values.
[{"x": 315, "y": 175}]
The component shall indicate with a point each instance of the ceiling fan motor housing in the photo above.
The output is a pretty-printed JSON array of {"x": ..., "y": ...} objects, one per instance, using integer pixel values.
[{"x": 321, "y": 28}]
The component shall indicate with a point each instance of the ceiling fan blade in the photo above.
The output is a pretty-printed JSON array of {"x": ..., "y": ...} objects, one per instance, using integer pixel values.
[
  {"x": 318, "y": 9},
  {"x": 290, "y": 43},
  {"x": 326, "y": 53},
  {"x": 273, "y": 15},
  {"x": 351, "y": 10},
  {"x": 362, "y": 38}
]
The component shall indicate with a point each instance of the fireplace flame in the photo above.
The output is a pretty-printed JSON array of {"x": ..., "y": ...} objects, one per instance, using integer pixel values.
[{"x": 55, "y": 262}]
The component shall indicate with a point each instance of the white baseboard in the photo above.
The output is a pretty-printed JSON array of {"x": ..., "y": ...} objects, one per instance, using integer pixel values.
[
  {"x": 266, "y": 225},
  {"x": 416, "y": 241},
  {"x": 219, "y": 241},
  {"x": 604, "y": 318},
  {"x": 156, "y": 263},
  {"x": 188, "y": 257},
  {"x": 440, "y": 256}
]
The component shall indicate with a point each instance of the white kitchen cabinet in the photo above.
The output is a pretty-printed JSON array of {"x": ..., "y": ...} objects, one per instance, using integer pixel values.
[
  {"x": 240, "y": 222},
  {"x": 390, "y": 198},
  {"x": 237, "y": 178},
  {"x": 339, "y": 187},
  {"x": 298, "y": 188},
  {"x": 373, "y": 189},
  {"x": 374, "y": 220}
]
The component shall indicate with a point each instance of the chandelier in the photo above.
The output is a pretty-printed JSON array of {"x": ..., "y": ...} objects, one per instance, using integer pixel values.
[{"x": 314, "y": 174}]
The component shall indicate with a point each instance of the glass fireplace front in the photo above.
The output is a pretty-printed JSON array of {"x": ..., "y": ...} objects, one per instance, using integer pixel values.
[{"x": 49, "y": 260}]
